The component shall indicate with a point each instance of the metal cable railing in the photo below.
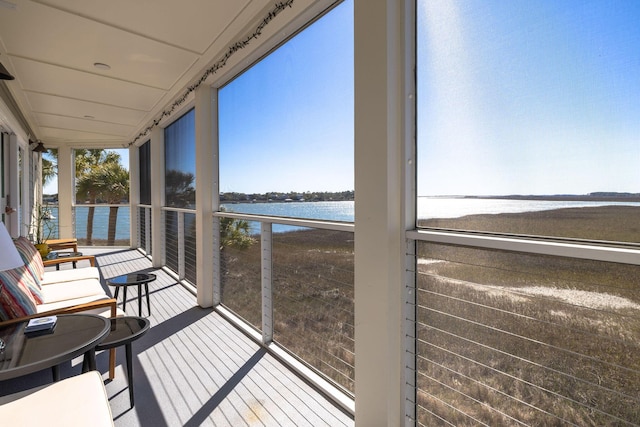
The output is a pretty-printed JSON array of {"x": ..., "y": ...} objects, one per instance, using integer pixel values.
[
  {"x": 171, "y": 239},
  {"x": 524, "y": 339},
  {"x": 240, "y": 277},
  {"x": 190, "y": 259},
  {"x": 144, "y": 228},
  {"x": 313, "y": 288},
  {"x": 304, "y": 275}
]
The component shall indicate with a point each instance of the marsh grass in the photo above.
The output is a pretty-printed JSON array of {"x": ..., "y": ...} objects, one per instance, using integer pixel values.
[
  {"x": 313, "y": 299},
  {"x": 241, "y": 281},
  {"x": 312, "y": 276},
  {"x": 521, "y": 339},
  {"x": 610, "y": 223},
  {"x": 503, "y": 338}
]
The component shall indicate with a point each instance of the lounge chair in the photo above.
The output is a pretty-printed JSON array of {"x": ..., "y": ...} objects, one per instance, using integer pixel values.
[{"x": 29, "y": 291}]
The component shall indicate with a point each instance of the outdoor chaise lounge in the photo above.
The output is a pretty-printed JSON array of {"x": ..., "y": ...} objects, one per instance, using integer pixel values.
[{"x": 29, "y": 291}]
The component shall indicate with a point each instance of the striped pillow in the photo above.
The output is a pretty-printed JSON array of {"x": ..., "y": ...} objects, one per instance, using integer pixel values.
[
  {"x": 31, "y": 258},
  {"x": 15, "y": 298}
]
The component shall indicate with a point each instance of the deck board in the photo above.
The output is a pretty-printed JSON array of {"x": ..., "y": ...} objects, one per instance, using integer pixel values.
[{"x": 195, "y": 368}]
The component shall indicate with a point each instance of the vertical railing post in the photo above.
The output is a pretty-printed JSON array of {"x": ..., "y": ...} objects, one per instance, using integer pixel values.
[
  {"x": 217, "y": 283},
  {"x": 267, "y": 294},
  {"x": 140, "y": 231},
  {"x": 162, "y": 241},
  {"x": 147, "y": 230},
  {"x": 134, "y": 197},
  {"x": 181, "y": 263}
]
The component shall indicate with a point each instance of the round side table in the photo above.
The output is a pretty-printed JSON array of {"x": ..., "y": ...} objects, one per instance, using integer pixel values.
[
  {"x": 133, "y": 279},
  {"x": 123, "y": 331},
  {"x": 73, "y": 335}
]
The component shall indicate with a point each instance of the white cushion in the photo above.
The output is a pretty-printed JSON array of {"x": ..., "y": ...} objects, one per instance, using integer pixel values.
[
  {"x": 41, "y": 308},
  {"x": 70, "y": 275},
  {"x": 55, "y": 292},
  {"x": 100, "y": 311},
  {"x": 77, "y": 401}
]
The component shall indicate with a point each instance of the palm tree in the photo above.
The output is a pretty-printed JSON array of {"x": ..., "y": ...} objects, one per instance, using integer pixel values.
[
  {"x": 112, "y": 181},
  {"x": 49, "y": 166},
  {"x": 86, "y": 191},
  {"x": 179, "y": 188},
  {"x": 95, "y": 168},
  {"x": 234, "y": 233}
]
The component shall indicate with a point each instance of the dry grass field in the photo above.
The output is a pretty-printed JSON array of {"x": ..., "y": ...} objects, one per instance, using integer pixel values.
[
  {"x": 312, "y": 276},
  {"x": 611, "y": 223},
  {"x": 503, "y": 338},
  {"x": 517, "y": 339}
]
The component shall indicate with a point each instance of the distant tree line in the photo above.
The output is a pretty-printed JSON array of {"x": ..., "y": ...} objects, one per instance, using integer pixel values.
[{"x": 292, "y": 196}]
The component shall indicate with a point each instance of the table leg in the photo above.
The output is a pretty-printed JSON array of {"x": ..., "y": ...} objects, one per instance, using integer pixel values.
[
  {"x": 124, "y": 301},
  {"x": 139, "y": 300},
  {"x": 146, "y": 288},
  {"x": 115, "y": 295},
  {"x": 127, "y": 348},
  {"x": 89, "y": 363}
]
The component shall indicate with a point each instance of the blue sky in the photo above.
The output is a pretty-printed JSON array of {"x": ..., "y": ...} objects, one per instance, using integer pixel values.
[
  {"x": 514, "y": 97},
  {"x": 528, "y": 97},
  {"x": 287, "y": 123}
]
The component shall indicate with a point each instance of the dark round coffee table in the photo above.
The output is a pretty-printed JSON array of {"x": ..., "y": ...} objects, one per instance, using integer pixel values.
[
  {"x": 62, "y": 255},
  {"x": 133, "y": 279},
  {"x": 125, "y": 330},
  {"x": 74, "y": 335}
]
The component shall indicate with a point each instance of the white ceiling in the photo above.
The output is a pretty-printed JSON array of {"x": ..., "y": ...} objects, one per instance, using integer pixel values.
[{"x": 155, "y": 48}]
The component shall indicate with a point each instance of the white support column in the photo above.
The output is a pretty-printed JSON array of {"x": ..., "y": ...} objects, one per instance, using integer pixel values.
[
  {"x": 27, "y": 189},
  {"x": 12, "y": 220},
  {"x": 36, "y": 190},
  {"x": 157, "y": 195},
  {"x": 134, "y": 195},
  {"x": 30, "y": 185},
  {"x": 206, "y": 174},
  {"x": 215, "y": 205},
  {"x": 379, "y": 212},
  {"x": 66, "y": 173}
]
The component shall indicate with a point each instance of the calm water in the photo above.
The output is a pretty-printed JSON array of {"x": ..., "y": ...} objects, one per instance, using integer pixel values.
[
  {"x": 100, "y": 222},
  {"x": 428, "y": 207}
]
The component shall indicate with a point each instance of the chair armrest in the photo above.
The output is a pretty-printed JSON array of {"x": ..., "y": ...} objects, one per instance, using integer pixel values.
[
  {"x": 57, "y": 261},
  {"x": 62, "y": 244},
  {"x": 111, "y": 303}
]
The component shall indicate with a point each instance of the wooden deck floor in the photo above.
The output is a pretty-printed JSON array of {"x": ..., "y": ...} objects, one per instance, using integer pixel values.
[{"x": 194, "y": 368}]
